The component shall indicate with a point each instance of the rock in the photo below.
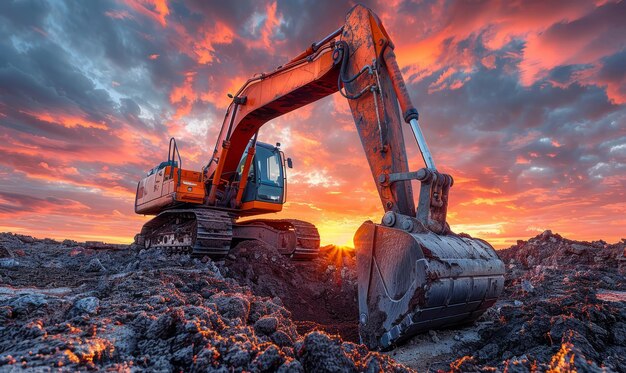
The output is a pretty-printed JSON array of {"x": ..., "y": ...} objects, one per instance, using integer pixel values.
[
  {"x": 124, "y": 337},
  {"x": 433, "y": 336},
  {"x": 281, "y": 338},
  {"x": 232, "y": 306},
  {"x": 237, "y": 357},
  {"x": 577, "y": 249},
  {"x": 20, "y": 253},
  {"x": 618, "y": 333},
  {"x": 266, "y": 325},
  {"x": 9, "y": 263},
  {"x": 488, "y": 352},
  {"x": 566, "y": 280},
  {"x": 320, "y": 353},
  {"x": 6, "y": 312},
  {"x": 94, "y": 265},
  {"x": 26, "y": 239},
  {"x": 183, "y": 356},
  {"x": 4, "y": 252},
  {"x": 33, "y": 329},
  {"x": 546, "y": 234},
  {"x": 268, "y": 360},
  {"x": 88, "y": 305},
  {"x": 527, "y": 286},
  {"x": 99, "y": 245},
  {"x": 292, "y": 366},
  {"x": 207, "y": 357},
  {"x": 27, "y": 302},
  {"x": 162, "y": 327},
  {"x": 608, "y": 281}
]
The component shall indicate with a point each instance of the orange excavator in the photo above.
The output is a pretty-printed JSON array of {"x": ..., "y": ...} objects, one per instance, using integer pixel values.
[{"x": 414, "y": 273}]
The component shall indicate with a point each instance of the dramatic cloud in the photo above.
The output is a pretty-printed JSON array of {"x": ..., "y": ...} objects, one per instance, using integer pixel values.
[{"x": 524, "y": 103}]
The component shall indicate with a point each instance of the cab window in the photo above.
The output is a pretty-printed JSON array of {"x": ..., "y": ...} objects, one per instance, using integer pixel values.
[{"x": 269, "y": 167}]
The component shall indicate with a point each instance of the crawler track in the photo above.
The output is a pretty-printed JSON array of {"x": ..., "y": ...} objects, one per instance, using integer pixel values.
[
  {"x": 207, "y": 232},
  {"x": 197, "y": 231},
  {"x": 294, "y": 238}
]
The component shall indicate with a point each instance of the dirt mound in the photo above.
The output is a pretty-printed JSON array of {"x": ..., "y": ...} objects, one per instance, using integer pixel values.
[
  {"x": 549, "y": 249},
  {"x": 564, "y": 307},
  {"x": 321, "y": 294},
  {"x": 74, "y": 308}
]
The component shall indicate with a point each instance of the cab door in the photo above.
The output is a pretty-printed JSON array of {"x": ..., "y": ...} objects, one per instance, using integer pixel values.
[{"x": 266, "y": 182}]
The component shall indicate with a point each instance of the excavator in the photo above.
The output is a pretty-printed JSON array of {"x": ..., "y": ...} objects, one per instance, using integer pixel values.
[{"x": 414, "y": 273}]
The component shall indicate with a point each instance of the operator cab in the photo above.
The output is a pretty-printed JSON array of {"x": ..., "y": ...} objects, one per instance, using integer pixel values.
[
  {"x": 168, "y": 184},
  {"x": 265, "y": 188}
]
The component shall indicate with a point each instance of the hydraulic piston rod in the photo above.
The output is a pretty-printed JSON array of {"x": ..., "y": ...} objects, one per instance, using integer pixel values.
[
  {"x": 421, "y": 142},
  {"x": 408, "y": 110}
]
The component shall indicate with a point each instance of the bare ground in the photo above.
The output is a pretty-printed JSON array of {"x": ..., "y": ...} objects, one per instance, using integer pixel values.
[
  {"x": 71, "y": 306},
  {"x": 77, "y": 306}
]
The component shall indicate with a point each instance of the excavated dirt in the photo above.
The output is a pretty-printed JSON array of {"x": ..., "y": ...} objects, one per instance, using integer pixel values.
[
  {"x": 79, "y": 306},
  {"x": 321, "y": 294},
  {"x": 71, "y": 306},
  {"x": 555, "y": 313}
]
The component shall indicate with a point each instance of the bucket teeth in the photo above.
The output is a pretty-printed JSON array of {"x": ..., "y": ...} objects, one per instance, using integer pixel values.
[{"x": 412, "y": 282}]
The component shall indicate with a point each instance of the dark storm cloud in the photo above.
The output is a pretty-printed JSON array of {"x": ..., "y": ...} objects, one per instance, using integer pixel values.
[
  {"x": 614, "y": 66},
  {"x": 566, "y": 73},
  {"x": 24, "y": 15},
  {"x": 62, "y": 119}
]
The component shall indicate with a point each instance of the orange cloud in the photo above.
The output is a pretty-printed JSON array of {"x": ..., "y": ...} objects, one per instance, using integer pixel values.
[
  {"x": 184, "y": 96},
  {"x": 158, "y": 10},
  {"x": 204, "y": 48},
  {"x": 271, "y": 23},
  {"x": 66, "y": 120}
]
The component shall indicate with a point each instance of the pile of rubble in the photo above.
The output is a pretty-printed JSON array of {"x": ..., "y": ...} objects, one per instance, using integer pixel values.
[
  {"x": 563, "y": 309},
  {"x": 76, "y": 307}
]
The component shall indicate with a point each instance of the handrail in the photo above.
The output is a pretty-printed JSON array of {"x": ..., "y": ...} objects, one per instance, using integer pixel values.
[{"x": 171, "y": 154}]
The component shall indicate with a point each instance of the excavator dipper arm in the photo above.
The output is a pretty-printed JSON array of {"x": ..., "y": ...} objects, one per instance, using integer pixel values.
[{"x": 414, "y": 274}]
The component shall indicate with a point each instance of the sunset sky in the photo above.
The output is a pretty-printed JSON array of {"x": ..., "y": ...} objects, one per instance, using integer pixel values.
[{"x": 523, "y": 102}]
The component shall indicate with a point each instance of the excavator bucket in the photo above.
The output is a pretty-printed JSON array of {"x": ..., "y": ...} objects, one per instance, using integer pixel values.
[
  {"x": 412, "y": 279},
  {"x": 413, "y": 282}
]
